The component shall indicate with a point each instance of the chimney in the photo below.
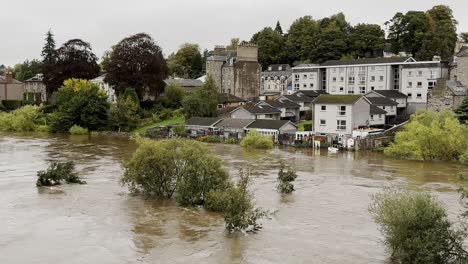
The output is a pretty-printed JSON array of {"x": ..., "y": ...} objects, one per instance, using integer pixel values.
[{"x": 8, "y": 77}]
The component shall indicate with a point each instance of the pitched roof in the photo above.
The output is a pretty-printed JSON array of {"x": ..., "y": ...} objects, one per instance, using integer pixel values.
[
  {"x": 184, "y": 82},
  {"x": 269, "y": 124},
  {"x": 381, "y": 101},
  {"x": 463, "y": 52},
  {"x": 457, "y": 88},
  {"x": 260, "y": 109},
  {"x": 311, "y": 93},
  {"x": 337, "y": 99},
  {"x": 299, "y": 98},
  {"x": 202, "y": 121},
  {"x": 374, "y": 110},
  {"x": 229, "y": 98},
  {"x": 234, "y": 123},
  {"x": 281, "y": 103},
  {"x": 391, "y": 93},
  {"x": 14, "y": 81},
  {"x": 37, "y": 78},
  {"x": 365, "y": 61}
]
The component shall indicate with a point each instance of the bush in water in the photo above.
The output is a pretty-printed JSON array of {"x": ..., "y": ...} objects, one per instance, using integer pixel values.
[
  {"x": 77, "y": 130},
  {"x": 416, "y": 228},
  {"x": 255, "y": 140},
  {"x": 25, "y": 118},
  {"x": 285, "y": 179},
  {"x": 58, "y": 172}
]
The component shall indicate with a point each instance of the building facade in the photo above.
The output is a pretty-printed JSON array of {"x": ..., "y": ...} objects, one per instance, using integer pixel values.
[
  {"x": 275, "y": 80},
  {"x": 36, "y": 88},
  {"x": 10, "y": 89},
  {"x": 236, "y": 72},
  {"x": 405, "y": 74}
]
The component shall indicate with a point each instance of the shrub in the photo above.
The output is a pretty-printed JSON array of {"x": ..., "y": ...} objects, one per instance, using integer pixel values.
[
  {"x": 132, "y": 94},
  {"x": 464, "y": 157},
  {"x": 430, "y": 136},
  {"x": 255, "y": 140},
  {"x": 239, "y": 210},
  {"x": 213, "y": 139},
  {"x": 165, "y": 114},
  {"x": 285, "y": 179},
  {"x": 161, "y": 168},
  {"x": 416, "y": 228},
  {"x": 124, "y": 115},
  {"x": 174, "y": 95},
  {"x": 231, "y": 141},
  {"x": 308, "y": 116},
  {"x": 307, "y": 127},
  {"x": 179, "y": 130},
  {"x": 12, "y": 104},
  {"x": 58, "y": 172},
  {"x": 22, "y": 119},
  {"x": 77, "y": 130}
]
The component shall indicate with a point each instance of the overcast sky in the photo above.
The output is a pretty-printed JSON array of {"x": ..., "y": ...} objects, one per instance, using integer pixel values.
[{"x": 174, "y": 22}]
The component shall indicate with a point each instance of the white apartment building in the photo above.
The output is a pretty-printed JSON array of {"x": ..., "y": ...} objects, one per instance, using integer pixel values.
[
  {"x": 340, "y": 114},
  {"x": 405, "y": 74}
]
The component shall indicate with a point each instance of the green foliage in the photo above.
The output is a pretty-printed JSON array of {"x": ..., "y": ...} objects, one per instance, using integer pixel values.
[
  {"x": 25, "y": 118},
  {"x": 82, "y": 103},
  {"x": 124, "y": 115},
  {"x": 367, "y": 40},
  {"x": 462, "y": 111},
  {"x": 58, "y": 172},
  {"x": 138, "y": 62},
  {"x": 77, "y": 130},
  {"x": 464, "y": 157},
  {"x": 186, "y": 62},
  {"x": 231, "y": 141},
  {"x": 174, "y": 95},
  {"x": 464, "y": 37},
  {"x": 161, "y": 168},
  {"x": 416, "y": 228},
  {"x": 179, "y": 130},
  {"x": 430, "y": 136},
  {"x": 12, "y": 104},
  {"x": 132, "y": 94},
  {"x": 204, "y": 102},
  {"x": 239, "y": 210},
  {"x": 255, "y": 140},
  {"x": 27, "y": 69},
  {"x": 270, "y": 46},
  {"x": 307, "y": 127},
  {"x": 285, "y": 179},
  {"x": 233, "y": 44}
]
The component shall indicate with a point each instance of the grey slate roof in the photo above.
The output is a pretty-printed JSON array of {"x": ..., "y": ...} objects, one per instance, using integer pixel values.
[
  {"x": 381, "y": 101},
  {"x": 184, "y": 82},
  {"x": 234, "y": 123},
  {"x": 337, "y": 99},
  {"x": 268, "y": 124},
  {"x": 311, "y": 93},
  {"x": 391, "y": 93},
  {"x": 463, "y": 52},
  {"x": 282, "y": 103},
  {"x": 298, "y": 98},
  {"x": 457, "y": 88},
  {"x": 202, "y": 121},
  {"x": 365, "y": 61},
  {"x": 224, "y": 98},
  {"x": 374, "y": 110},
  {"x": 2, "y": 80},
  {"x": 261, "y": 109}
]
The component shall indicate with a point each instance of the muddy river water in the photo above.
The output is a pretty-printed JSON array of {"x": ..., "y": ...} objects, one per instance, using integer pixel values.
[{"x": 324, "y": 221}]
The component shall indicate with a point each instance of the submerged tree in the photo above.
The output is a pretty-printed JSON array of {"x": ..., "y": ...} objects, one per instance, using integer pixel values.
[
  {"x": 57, "y": 173},
  {"x": 137, "y": 62},
  {"x": 285, "y": 179}
]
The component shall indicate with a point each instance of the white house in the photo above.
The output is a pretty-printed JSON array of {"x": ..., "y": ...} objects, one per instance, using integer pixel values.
[
  {"x": 340, "y": 114},
  {"x": 111, "y": 97},
  {"x": 377, "y": 116}
]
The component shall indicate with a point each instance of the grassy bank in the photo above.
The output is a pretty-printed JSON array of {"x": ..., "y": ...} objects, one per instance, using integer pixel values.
[{"x": 172, "y": 121}]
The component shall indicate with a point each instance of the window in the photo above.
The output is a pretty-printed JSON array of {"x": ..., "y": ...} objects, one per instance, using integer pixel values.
[
  {"x": 305, "y": 76},
  {"x": 311, "y": 85},
  {"x": 323, "y": 108},
  {"x": 340, "y": 124},
  {"x": 362, "y": 89},
  {"x": 342, "y": 110},
  {"x": 372, "y": 78},
  {"x": 419, "y": 85},
  {"x": 410, "y": 95},
  {"x": 410, "y": 84},
  {"x": 341, "y": 79},
  {"x": 383, "y": 107},
  {"x": 381, "y": 78},
  {"x": 362, "y": 80},
  {"x": 351, "y": 92},
  {"x": 296, "y": 86},
  {"x": 280, "y": 68},
  {"x": 372, "y": 117},
  {"x": 341, "y": 89},
  {"x": 380, "y": 116},
  {"x": 351, "y": 79},
  {"x": 410, "y": 73},
  {"x": 431, "y": 85},
  {"x": 418, "y": 95},
  {"x": 311, "y": 76},
  {"x": 323, "y": 122},
  {"x": 269, "y": 68},
  {"x": 334, "y": 79},
  {"x": 372, "y": 88},
  {"x": 296, "y": 77}
]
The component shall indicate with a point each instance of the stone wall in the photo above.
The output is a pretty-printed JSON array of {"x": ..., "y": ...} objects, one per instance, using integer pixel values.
[
  {"x": 441, "y": 97},
  {"x": 462, "y": 70},
  {"x": 214, "y": 68},
  {"x": 247, "y": 79}
]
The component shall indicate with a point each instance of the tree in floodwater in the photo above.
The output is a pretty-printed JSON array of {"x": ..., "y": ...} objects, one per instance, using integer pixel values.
[
  {"x": 285, "y": 179},
  {"x": 57, "y": 173},
  {"x": 416, "y": 228}
]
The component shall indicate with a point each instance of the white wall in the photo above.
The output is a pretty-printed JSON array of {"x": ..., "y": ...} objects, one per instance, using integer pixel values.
[
  {"x": 331, "y": 116},
  {"x": 410, "y": 77},
  {"x": 305, "y": 80}
]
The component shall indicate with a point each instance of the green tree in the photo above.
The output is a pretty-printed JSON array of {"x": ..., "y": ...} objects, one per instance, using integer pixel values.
[
  {"x": 285, "y": 179},
  {"x": 49, "y": 59},
  {"x": 462, "y": 111},
  {"x": 255, "y": 140},
  {"x": 82, "y": 103},
  {"x": 27, "y": 69},
  {"x": 204, "y": 102},
  {"x": 174, "y": 95},
  {"x": 366, "y": 40},
  {"x": 182, "y": 166},
  {"x": 407, "y": 31},
  {"x": 124, "y": 115},
  {"x": 58, "y": 172},
  {"x": 430, "y": 136},
  {"x": 187, "y": 62},
  {"x": 332, "y": 45},
  {"x": 416, "y": 228},
  {"x": 302, "y": 40},
  {"x": 464, "y": 37},
  {"x": 137, "y": 62},
  {"x": 233, "y": 44},
  {"x": 270, "y": 47},
  {"x": 278, "y": 28}
]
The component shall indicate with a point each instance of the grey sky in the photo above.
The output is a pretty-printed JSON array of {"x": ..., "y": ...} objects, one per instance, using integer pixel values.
[{"x": 174, "y": 22}]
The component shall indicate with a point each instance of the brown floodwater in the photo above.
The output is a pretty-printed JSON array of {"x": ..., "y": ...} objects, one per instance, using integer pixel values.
[{"x": 324, "y": 221}]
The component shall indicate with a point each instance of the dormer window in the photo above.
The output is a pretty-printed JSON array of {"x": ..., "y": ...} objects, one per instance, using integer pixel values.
[
  {"x": 269, "y": 68},
  {"x": 280, "y": 68}
]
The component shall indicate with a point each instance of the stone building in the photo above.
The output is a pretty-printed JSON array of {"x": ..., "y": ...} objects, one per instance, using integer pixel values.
[
  {"x": 35, "y": 89},
  {"x": 236, "y": 72},
  {"x": 10, "y": 89},
  {"x": 275, "y": 80}
]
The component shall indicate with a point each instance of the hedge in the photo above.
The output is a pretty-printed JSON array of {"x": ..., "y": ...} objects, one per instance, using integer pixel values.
[{"x": 12, "y": 104}]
